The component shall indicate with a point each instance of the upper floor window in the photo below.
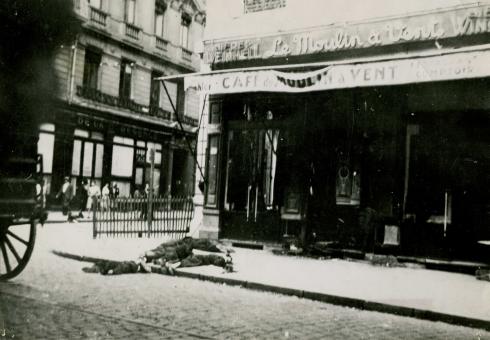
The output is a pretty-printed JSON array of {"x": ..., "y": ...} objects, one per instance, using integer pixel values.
[
  {"x": 91, "y": 68},
  {"x": 125, "y": 74},
  {"x": 130, "y": 12},
  {"x": 96, "y": 3},
  {"x": 184, "y": 30},
  {"x": 160, "y": 19},
  {"x": 155, "y": 89}
]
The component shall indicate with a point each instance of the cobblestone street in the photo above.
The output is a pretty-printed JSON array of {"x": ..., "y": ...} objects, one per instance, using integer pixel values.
[{"x": 54, "y": 299}]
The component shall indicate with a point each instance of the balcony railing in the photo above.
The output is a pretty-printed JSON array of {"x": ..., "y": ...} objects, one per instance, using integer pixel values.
[
  {"x": 161, "y": 43},
  {"x": 154, "y": 111},
  {"x": 186, "y": 54},
  {"x": 98, "y": 96},
  {"x": 132, "y": 31},
  {"x": 98, "y": 16}
]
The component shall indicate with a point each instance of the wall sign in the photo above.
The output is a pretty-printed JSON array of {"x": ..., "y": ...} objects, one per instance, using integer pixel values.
[
  {"x": 252, "y": 6},
  {"x": 437, "y": 68},
  {"x": 433, "y": 26}
]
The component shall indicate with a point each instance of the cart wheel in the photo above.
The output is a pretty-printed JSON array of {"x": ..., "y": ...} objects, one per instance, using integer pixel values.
[{"x": 16, "y": 245}]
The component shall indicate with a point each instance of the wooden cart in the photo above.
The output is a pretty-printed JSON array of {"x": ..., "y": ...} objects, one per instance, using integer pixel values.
[{"x": 21, "y": 205}]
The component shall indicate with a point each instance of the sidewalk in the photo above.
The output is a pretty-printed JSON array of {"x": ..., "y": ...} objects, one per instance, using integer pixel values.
[{"x": 411, "y": 291}]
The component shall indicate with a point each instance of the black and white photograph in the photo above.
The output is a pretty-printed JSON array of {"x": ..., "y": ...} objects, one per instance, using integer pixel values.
[{"x": 244, "y": 169}]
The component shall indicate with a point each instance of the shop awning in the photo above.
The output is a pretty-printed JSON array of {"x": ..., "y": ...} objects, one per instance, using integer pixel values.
[{"x": 451, "y": 65}]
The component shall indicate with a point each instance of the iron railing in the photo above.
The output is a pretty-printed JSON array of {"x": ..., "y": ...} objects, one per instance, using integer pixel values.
[
  {"x": 137, "y": 217},
  {"x": 98, "y": 16}
]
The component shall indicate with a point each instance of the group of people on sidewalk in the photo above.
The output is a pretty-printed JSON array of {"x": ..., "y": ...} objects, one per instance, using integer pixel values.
[{"x": 85, "y": 197}]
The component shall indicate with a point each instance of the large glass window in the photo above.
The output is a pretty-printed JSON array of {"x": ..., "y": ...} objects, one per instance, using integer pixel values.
[
  {"x": 212, "y": 170},
  {"x": 125, "y": 74},
  {"x": 88, "y": 155},
  {"x": 91, "y": 68},
  {"x": 45, "y": 147},
  {"x": 122, "y": 157}
]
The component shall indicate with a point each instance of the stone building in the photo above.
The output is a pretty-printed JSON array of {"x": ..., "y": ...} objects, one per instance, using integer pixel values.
[{"x": 111, "y": 112}]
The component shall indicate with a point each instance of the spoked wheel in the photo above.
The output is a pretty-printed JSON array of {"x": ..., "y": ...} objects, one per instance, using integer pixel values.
[{"x": 16, "y": 245}]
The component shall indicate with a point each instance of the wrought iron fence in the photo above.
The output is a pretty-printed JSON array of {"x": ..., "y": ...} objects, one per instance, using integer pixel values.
[{"x": 129, "y": 217}]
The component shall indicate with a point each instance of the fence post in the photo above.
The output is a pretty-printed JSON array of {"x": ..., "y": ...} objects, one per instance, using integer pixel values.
[
  {"x": 94, "y": 214},
  {"x": 150, "y": 194}
]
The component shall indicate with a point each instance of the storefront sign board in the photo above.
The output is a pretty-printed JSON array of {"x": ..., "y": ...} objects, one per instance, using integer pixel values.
[
  {"x": 422, "y": 27},
  {"x": 393, "y": 72}
]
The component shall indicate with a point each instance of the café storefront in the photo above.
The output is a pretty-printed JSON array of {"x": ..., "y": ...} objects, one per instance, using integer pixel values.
[{"x": 381, "y": 151}]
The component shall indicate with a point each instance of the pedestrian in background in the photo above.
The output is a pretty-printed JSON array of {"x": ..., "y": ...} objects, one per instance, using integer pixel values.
[
  {"x": 66, "y": 194},
  {"x": 82, "y": 197},
  {"x": 106, "y": 192},
  {"x": 93, "y": 196}
]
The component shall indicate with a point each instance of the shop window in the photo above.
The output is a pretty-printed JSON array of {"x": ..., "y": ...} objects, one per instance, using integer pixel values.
[
  {"x": 125, "y": 74},
  {"x": 212, "y": 171},
  {"x": 91, "y": 68},
  {"x": 88, "y": 155},
  {"x": 184, "y": 30},
  {"x": 122, "y": 157},
  {"x": 45, "y": 147},
  {"x": 160, "y": 19},
  {"x": 130, "y": 12}
]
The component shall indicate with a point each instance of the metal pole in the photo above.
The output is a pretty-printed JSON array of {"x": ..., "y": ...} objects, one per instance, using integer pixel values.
[{"x": 150, "y": 194}]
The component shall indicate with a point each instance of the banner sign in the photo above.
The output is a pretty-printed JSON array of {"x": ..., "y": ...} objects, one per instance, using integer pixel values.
[
  {"x": 404, "y": 71},
  {"x": 450, "y": 23}
]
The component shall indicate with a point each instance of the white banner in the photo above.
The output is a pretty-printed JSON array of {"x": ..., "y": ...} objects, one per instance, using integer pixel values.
[{"x": 405, "y": 71}]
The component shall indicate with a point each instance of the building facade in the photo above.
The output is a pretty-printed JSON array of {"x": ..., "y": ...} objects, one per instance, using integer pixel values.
[
  {"x": 111, "y": 112},
  {"x": 365, "y": 126}
]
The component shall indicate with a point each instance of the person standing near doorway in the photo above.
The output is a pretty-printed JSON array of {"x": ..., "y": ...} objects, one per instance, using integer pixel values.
[
  {"x": 83, "y": 197},
  {"x": 66, "y": 194}
]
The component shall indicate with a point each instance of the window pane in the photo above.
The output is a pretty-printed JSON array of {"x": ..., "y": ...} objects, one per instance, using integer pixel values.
[
  {"x": 91, "y": 68},
  {"x": 159, "y": 24},
  {"x": 99, "y": 158},
  {"x": 47, "y": 127},
  {"x": 97, "y": 135},
  {"x": 88, "y": 153},
  {"x": 81, "y": 133},
  {"x": 125, "y": 79},
  {"x": 123, "y": 140},
  {"x": 77, "y": 151},
  {"x": 140, "y": 143},
  {"x": 131, "y": 4},
  {"x": 45, "y": 147},
  {"x": 158, "y": 158},
  {"x": 122, "y": 161},
  {"x": 184, "y": 34}
]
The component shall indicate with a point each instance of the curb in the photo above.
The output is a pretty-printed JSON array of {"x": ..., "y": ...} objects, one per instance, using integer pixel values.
[
  {"x": 345, "y": 301},
  {"x": 315, "y": 296}
]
